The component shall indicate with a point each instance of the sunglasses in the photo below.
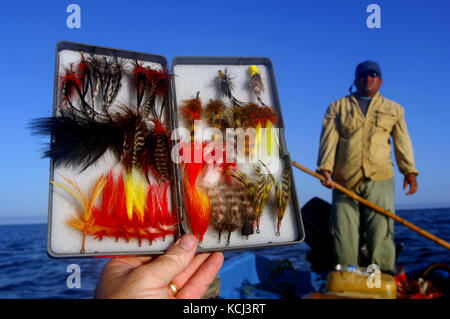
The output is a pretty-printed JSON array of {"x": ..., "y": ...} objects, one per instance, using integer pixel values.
[{"x": 372, "y": 74}]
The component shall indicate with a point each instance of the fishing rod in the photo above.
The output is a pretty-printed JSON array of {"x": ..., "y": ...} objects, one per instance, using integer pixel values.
[{"x": 375, "y": 207}]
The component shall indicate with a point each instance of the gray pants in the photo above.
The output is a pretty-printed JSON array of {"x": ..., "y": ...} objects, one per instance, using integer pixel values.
[{"x": 346, "y": 216}]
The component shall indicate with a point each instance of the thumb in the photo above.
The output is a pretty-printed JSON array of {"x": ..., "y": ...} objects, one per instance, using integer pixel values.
[
  {"x": 405, "y": 183},
  {"x": 175, "y": 260}
]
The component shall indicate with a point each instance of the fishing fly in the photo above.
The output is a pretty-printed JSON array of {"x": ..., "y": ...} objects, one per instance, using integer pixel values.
[
  {"x": 226, "y": 86},
  {"x": 113, "y": 209}
]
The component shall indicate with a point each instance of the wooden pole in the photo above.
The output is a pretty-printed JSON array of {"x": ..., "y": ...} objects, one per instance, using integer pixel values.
[{"x": 375, "y": 207}]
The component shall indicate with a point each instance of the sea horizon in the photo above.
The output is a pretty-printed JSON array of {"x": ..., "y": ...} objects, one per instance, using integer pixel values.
[{"x": 43, "y": 219}]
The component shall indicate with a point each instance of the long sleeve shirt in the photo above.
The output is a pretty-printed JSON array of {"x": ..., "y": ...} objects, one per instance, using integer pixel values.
[{"x": 354, "y": 146}]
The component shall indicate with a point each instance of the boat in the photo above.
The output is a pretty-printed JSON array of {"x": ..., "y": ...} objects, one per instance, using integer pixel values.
[{"x": 253, "y": 276}]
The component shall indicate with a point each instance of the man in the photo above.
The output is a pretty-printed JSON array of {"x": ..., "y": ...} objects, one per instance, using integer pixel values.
[{"x": 355, "y": 149}]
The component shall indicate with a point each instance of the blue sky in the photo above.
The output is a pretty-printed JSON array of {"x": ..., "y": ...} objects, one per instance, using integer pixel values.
[{"x": 314, "y": 47}]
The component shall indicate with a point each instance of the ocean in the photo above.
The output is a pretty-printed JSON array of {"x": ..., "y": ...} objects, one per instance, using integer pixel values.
[{"x": 26, "y": 271}]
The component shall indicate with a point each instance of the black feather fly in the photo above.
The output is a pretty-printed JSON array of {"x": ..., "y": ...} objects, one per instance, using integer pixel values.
[{"x": 76, "y": 141}]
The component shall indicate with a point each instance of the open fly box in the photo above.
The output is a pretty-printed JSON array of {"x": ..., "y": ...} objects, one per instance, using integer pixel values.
[{"x": 140, "y": 155}]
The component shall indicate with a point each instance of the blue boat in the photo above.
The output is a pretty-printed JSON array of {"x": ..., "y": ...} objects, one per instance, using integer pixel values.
[{"x": 252, "y": 276}]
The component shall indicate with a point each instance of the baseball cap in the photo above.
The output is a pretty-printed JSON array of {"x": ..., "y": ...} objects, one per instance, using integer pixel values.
[{"x": 367, "y": 66}]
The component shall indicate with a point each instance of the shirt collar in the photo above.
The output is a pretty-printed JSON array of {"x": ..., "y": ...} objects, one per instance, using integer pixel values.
[
  {"x": 374, "y": 98},
  {"x": 367, "y": 98}
]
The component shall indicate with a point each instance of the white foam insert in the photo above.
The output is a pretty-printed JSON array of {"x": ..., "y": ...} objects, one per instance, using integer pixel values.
[
  {"x": 189, "y": 79},
  {"x": 66, "y": 240}
]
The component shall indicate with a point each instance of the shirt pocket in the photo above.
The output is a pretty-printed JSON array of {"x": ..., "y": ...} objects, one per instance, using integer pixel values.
[
  {"x": 349, "y": 126},
  {"x": 385, "y": 120}
]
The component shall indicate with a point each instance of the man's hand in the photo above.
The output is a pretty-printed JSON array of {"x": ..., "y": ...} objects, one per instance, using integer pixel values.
[
  {"x": 328, "y": 183},
  {"x": 149, "y": 277},
  {"x": 410, "y": 179}
]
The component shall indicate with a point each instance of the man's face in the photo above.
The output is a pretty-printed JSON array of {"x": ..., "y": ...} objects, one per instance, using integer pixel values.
[{"x": 368, "y": 83}]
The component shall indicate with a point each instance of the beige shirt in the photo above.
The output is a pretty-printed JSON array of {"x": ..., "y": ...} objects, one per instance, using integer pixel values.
[{"x": 354, "y": 146}]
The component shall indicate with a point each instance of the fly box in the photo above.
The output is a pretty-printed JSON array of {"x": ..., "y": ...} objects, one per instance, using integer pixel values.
[{"x": 141, "y": 154}]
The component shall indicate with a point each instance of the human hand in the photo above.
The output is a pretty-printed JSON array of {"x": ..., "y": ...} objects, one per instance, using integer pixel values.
[
  {"x": 328, "y": 183},
  {"x": 410, "y": 179},
  {"x": 148, "y": 277}
]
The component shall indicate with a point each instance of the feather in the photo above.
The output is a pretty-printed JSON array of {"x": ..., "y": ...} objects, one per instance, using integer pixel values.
[
  {"x": 84, "y": 221},
  {"x": 224, "y": 80},
  {"x": 128, "y": 209},
  {"x": 139, "y": 79},
  {"x": 197, "y": 204},
  {"x": 84, "y": 74},
  {"x": 229, "y": 205},
  {"x": 249, "y": 215},
  {"x": 139, "y": 137},
  {"x": 256, "y": 84},
  {"x": 267, "y": 114},
  {"x": 105, "y": 213},
  {"x": 254, "y": 116},
  {"x": 166, "y": 216},
  {"x": 83, "y": 68},
  {"x": 214, "y": 112},
  {"x": 131, "y": 216},
  {"x": 225, "y": 168},
  {"x": 159, "y": 147},
  {"x": 79, "y": 141},
  {"x": 130, "y": 222},
  {"x": 192, "y": 111},
  {"x": 81, "y": 82},
  {"x": 125, "y": 121},
  {"x": 135, "y": 134},
  {"x": 250, "y": 115},
  {"x": 282, "y": 194},
  {"x": 152, "y": 77},
  {"x": 258, "y": 192},
  {"x": 163, "y": 86},
  {"x": 233, "y": 218},
  {"x": 263, "y": 188},
  {"x": 76, "y": 141},
  {"x": 81, "y": 90},
  {"x": 152, "y": 80},
  {"x": 210, "y": 176},
  {"x": 271, "y": 136},
  {"x": 119, "y": 217},
  {"x": 158, "y": 82},
  {"x": 135, "y": 190},
  {"x": 111, "y": 83},
  {"x": 165, "y": 219},
  {"x": 70, "y": 82},
  {"x": 158, "y": 86},
  {"x": 218, "y": 208},
  {"x": 95, "y": 65}
]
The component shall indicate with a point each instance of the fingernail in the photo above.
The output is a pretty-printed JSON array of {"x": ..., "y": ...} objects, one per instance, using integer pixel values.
[{"x": 187, "y": 242}]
